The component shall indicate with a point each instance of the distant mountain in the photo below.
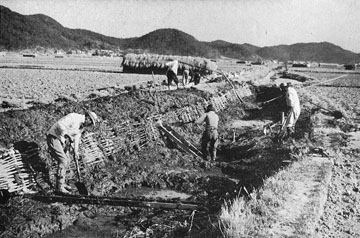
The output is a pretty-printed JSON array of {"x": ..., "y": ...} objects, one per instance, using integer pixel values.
[
  {"x": 319, "y": 52},
  {"x": 237, "y": 51},
  {"x": 29, "y": 31},
  {"x": 171, "y": 41},
  {"x": 19, "y": 32}
]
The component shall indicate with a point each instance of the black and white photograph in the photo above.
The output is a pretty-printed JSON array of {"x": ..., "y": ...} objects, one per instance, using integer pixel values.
[{"x": 179, "y": 119}]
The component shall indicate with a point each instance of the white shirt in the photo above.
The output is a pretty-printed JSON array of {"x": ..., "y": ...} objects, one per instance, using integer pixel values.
[
  {"x": 70, "y": 125},
  {"x": 173, "y": 66},
  {"x": 211, "y": 119},
  {"x": 292, "y": 99}
]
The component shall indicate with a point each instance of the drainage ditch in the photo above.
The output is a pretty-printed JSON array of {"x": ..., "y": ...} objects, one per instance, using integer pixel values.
[{"x": 157, "y": 169}]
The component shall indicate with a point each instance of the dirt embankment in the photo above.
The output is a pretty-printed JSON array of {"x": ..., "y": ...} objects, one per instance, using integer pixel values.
[{"x": 244, "y": 160}]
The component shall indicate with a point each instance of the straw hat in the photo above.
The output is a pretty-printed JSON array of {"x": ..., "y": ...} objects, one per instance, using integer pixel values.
[{"x": 94, "y": 118}]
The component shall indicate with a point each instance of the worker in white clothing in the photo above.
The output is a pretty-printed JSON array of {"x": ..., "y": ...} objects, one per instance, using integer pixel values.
[
  {"x": 210, "y": 135},
  {"x": 185, "y": 77},
  {"x": 67, "y": 131},
  {"x": 293, "y": 104},
  {"x": 171, "y": 73}
]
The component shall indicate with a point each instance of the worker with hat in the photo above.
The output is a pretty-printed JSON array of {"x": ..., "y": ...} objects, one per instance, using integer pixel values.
[
  {"x": 64, "y": 133},
  {"x": 293, "y": 104},
  {"x": 210, "y": 135}
]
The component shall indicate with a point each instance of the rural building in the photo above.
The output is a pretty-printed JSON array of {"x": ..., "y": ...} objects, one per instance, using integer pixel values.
[
  {"x": 243, "y": 62},
  {"x": 350, "y": 66},
  {"x": 300, "y": 64},
  {"x": 30, "y": 55},
  {"x": 257, "y": 63},
  {"x": 328, "y": 65}
]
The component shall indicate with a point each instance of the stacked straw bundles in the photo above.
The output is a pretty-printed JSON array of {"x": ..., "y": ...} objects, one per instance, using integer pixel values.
[
  {"x": 13, "y": 176},
  {"x": 158, "y": 61}
]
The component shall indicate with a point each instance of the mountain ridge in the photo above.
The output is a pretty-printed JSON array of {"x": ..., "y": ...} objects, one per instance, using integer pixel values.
[{"x": 29, "y": 31}]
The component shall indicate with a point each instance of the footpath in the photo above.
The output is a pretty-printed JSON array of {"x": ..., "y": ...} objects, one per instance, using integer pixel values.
[{"x": 301, "y": 213}]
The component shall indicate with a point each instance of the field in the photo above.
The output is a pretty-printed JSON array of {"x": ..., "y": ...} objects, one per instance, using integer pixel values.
[
  {"x": 45, "y": 86},
  {"x": 67, "y": 62},
  {"x": 248, "y": 162},
  {"x": 44, "y": 79},
  {"x": 341, "y": 94}
]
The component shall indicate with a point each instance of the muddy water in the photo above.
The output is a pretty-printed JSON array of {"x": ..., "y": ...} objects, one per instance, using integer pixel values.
[
  {"x": 114, "y": 223},
  {"x": 152, "y": 193},
  {"x": 107, "y": 221},
  {"x": 96, "y": 227}
]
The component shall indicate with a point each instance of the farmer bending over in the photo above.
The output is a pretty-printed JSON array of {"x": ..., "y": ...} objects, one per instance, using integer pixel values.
[
  {"x": 171, "y": 73},
  {"x": 61, "y": 135},
  {"x": 293, "y": 103},
  {"x": 210, "y": 135}
]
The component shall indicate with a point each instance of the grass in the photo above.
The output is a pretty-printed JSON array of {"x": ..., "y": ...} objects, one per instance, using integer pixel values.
[
  {"x": 261, "y": 213},
  {"x": 246, "y": 217}
]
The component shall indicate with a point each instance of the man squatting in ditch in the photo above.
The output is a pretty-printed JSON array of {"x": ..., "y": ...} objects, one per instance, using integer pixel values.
[
  {"x": 67, "y": 131},
  {"x": 210, "y": 135},
  {"x": 293, "y": 108}
]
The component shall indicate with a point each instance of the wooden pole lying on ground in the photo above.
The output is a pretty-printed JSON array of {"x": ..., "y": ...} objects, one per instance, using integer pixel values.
[
  {"x": 181, "y": 142},
  {"x": 94, "y": 200}
]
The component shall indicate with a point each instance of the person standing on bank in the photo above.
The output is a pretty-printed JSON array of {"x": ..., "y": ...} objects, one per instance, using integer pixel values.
[
  {"x": 67, "y": 131},
  {"x": 171, "y": 73},
  {"x": 293, "y": 103},
  {"x": 196, "y": 77},
  {"x": 210, "y": 135},
  {"x": 185, "y": 76}
]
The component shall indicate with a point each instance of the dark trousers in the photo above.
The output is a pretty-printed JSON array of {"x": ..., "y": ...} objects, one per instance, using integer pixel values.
[
  {"x": 209, "y": 139},
  {"x": 172, "y": 76},
  {"x": 197, "y": 78}
]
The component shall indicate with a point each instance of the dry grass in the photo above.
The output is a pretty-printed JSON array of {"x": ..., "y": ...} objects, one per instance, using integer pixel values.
[
  {"x": 288, "y": 205},
  {"x": 246, "y": 218},
  {"x": 253, "y": 217},
  {"x": 141, "y": 61}
]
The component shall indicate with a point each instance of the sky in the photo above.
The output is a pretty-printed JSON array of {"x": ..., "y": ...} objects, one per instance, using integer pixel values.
[{"x": 257, "y": 22}]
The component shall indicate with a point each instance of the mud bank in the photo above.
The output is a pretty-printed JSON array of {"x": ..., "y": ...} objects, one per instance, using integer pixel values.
[{"x": 245, "y": 158}]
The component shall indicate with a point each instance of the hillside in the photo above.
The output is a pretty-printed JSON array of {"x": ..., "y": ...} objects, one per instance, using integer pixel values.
[
  {"x": 171, "y": 41},
  {"x": 320, "y": 52},
  {"x": 29, "y": 31},
  {"x": 237, "y": 51},
  {"x": 20, "y": 32}
]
